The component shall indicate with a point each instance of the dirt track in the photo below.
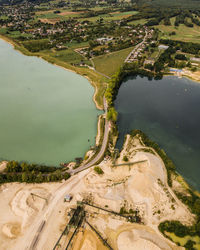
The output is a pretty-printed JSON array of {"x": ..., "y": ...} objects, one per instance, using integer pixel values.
[{"x": 28, "y": 222}]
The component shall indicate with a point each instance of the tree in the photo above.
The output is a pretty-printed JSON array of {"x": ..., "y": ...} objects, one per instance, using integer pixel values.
[
  {"x": 39, "y": 178},
  {"x": 180, "y": 57},
  {"x": 189, "y": 245},
  {"x": 197, "y": 206},
  {"x": 112, "y": 114},
  {"x": 98, "y": 170},
  {"x": 93, "y": 44},
  {"x": 24, "y": 177},
  {"x": 24, "y": 166},
  {"x": 125, "y": 158},
  {"x": 158, "y": 66}
]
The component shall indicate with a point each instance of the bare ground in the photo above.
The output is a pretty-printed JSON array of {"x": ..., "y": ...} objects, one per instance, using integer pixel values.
[{"x": 141, "y": 186}]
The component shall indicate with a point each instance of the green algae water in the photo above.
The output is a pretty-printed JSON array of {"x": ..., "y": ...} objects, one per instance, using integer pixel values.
[
  {"x": 46, "y": 113},
  {"x": 168, "y": 111}
]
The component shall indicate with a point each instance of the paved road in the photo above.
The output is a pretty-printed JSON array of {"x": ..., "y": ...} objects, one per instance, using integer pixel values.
[
  {"x": 33, "y": 239},
  {"x": 103, "y": 147},
  {"x": 136, "y": 47}
]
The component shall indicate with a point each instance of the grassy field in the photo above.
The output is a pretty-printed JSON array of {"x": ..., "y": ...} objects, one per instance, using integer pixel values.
[
  {"x": 183, "y": 33},
  {"x": 108, "y": 64},
  {"x": 46, "y": 15},
  {"x": 3, "y": 31},
  {"x": 3, "y": 17},
  {"x": 64, "y": 15},
  {"x": 69, "y": 56},
  {"x": 156, "y": 54},
  {"x": 183, "y": 240},
  {"x": 13, "y": 34},
  {"x": 111, "y": 16},
  {"x": 140, "y": 21},
  {"x": 75, "y": 45},
  {"x": 50, "y": 15},
  {"x": 97, "y": 8}
]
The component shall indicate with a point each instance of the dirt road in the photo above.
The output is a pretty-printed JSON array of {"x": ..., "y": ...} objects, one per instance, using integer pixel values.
[{"x": 37, "y": 233}]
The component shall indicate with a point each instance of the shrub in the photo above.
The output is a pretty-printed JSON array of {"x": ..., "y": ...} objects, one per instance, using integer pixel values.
[
  {"x": 122, "y": 210},
  {"x": 125, "y": 158},
  {"x": 98, "y": 170}
]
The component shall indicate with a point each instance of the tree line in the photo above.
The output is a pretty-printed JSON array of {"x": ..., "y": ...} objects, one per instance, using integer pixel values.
[
  {"x": 149, "y": 143},
  {"x": 187, "y": 47},
  {"x": 31, "y": 173},
  {"x": 128, "y": 69},
  {"x": 191, "y": 200}
]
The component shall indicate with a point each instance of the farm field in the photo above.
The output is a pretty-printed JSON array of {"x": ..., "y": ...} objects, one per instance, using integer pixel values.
[
  {"x": 183, "y": 33},
  {"x": 66, "y": 14},
  {"x": 108, "y": 64},
  {"x": 51, "y": 16},
  {"x": 140, "y": 21},
  {"x": 183, "y": 240},
  {"x": 156, "y": 54},
  {"x": 69, "y": 56},
  {"x": 76, "y": 45},
  {"x": 111, "y": 16}
]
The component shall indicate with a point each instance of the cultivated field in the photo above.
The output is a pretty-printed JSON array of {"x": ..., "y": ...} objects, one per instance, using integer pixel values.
[
  {"x": 51, "y": 17},
  {"x": 140, "y": 21},
  {"x": 108, "y": 64},
  {"x": 183, "y": 33}
]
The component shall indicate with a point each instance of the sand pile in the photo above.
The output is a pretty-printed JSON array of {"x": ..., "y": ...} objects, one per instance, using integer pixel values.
[
  {"x": 25, "y": 205},
  {"x": 141, "y": 187},
  {"x": 11, "y": 230},
  {"x": 130, "y": 241}
]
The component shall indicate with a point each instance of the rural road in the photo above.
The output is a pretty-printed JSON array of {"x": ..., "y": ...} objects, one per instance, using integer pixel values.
[
  {"x": 98, "y": 71},
  {"x": 136, "y": 47},
  {"x": 103, "y": 146},
  {"x": 34, "y": 238},
  {"x": 37, "y": 233}
]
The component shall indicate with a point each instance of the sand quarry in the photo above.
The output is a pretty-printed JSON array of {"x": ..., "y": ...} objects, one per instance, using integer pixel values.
[{"x": 142, "y": 186}]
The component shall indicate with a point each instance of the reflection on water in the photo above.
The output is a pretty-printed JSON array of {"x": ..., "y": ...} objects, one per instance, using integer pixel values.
[
  {"x": 168, "y": 111},
  {"x": 46, "y": 113}
]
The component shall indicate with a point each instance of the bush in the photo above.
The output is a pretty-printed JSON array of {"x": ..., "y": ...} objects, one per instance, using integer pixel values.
[
  {"x": 189, "y": 245},
  {"x": 98, "y": 170},
  {"x": 174, "y": 227},
  {"x": 122, "y": 210},
  {"x": 112, "y": 114},
  {"x": 125, "y": 158},
  {"x": 181, "y": 57}
]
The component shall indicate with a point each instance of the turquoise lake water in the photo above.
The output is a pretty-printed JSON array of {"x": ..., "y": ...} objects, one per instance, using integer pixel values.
[
  {"x": 46, "y": 113},
  {"x": 168, "y": 111}
]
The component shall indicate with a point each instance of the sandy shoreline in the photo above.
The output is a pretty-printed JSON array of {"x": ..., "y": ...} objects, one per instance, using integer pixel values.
[
  {"x": 89, "y": 80},
  {"x": 142, "y": 186},
  {"x": 186, "y": 73}
]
